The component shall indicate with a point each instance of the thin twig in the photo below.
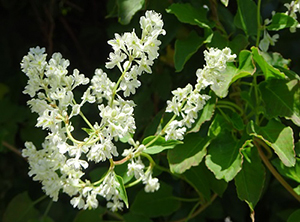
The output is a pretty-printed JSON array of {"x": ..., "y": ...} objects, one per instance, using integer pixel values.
[
  {"x": 280, "y": 179},
  {"x": 200, "y": 210},
  {"x": 12, "y": 148}
]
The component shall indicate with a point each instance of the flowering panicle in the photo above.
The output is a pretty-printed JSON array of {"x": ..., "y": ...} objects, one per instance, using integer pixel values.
[
  {"x": 61, "y": 162},
  {"x": 187, "y": 102},
  {"x": 134, "y": 55}
]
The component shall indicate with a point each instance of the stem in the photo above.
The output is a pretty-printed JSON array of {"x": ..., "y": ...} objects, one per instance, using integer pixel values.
[
  {"x": 30, "y": 206},
  {"x": 256, "y": 98},
  {"x": 228, "y": 104},
  {"x": 119, "y": 81},
  {"x": 192, "y": 211},
  {"x": 201, "y": 209},
  {"x": 280, "y": 179},
  {"x": 258, "y": 23},
  {"x": 86, "y": 120},
  {"x": 47, "y": 210},
  {"x": 12, "y": 148}
]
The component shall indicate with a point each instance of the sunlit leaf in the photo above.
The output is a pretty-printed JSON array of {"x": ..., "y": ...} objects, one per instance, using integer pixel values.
[
  {"x": 188, "y": 154},
  {"x": 282, "y": 98},
  {"x": 127, "y": 9},
  {"x": 278, "y": 137},
  {"x": 281, "y": 21},
  {"x": 268, "y": 70},
  {"x": 246, "y": 66},
  {"x": 290, "y": 172},
  {"x": 206, "y": 113},
  {"x": 225, "y": 2},
  {"x": 159, "y": 145},
  {"x": 122, "y": 190},
  {"x": 223, "y": 156}
]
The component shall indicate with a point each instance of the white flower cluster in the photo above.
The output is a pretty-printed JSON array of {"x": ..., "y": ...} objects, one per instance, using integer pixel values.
[
  {"x": 61, "y": 162},
  {"x": 187, "y": 102},
  {"x": 292, "y": 9},
  {"x": 133, "y": 55},
  {"x": 136, "y": 168}
]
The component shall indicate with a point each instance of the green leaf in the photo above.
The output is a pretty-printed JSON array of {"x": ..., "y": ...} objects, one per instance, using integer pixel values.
[
  {"x": 289, "y": 172},
  {"x": 127, "y": 9},
  {"x": 186, "y": 13},
  {"x": 204, "y": 181},
  {"x": 218, "y": 41},
  {"x": 294, "y": 217},
  {"x": 188, "y": 154},
  {"x": 238, "y": 43},
  {"x": 278, "y": 137},
  {"x": 159, "y": 203},
  {"x": 184, "y": 49},
  {"x": 90, "y": 215},
  {"x": 268, "y": 70},
  {"x": 122, "y": 170},
  {"x": 196, "y": 176},
  {"x": 206, "y": 113},
  {"x": 122, "y": 190},
  {"x": 159, "y": 145},
  {"x": 247, "y": 10},
  {"x": 225, "y": 2},
  {"x": 282, "y": 98},
  {"x": 20, "y": 209},
  {"x": 250, "y": 180},
  {"x": 227, "y": 76},
  {"x": 218, "y": 126},
  {"x": 281, "y": 21},
  {"x": 297, "y": 148},
  {"x": 131, "y": 217},
  {"x": 223, "y": 156},
  {"x": 246, "y": 66}
]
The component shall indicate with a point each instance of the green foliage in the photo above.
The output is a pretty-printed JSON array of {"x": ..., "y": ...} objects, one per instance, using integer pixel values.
[
  {"x": 160, "y": 203},
  {"x": 20, "y": 209},
  {"x": 159, "y": 145},
  {"x": 242, "y": 146},
  {"x": 279, "y": 138},
  {"x": 180, "y": 160},
  {"x": 250, "y": 180}
]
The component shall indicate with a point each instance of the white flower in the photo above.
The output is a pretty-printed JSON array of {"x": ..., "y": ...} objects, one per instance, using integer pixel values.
[
  {"x": 78, "y": 202},
  {"x": 115, "y": 205},
  {"x": 100, "y": 152},
  {"x": 136, "y": 168},
  {"x": 79, "y": 79},
  {"x": 101, "y": 85},
  {"x": 175, "y": 131},
  {"x": 267, "y": 40},
  {"x": 115, "y": 59},
  {"x": 152, "y": 184}
]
